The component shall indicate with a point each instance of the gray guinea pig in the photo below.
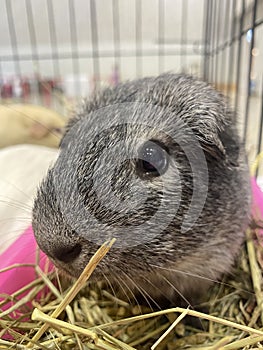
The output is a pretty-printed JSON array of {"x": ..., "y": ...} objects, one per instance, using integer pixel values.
[{"x": 156, "y": 163}]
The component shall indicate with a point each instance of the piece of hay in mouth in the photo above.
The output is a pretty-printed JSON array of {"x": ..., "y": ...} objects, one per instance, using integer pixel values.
[{"x": 95, "y": 319}]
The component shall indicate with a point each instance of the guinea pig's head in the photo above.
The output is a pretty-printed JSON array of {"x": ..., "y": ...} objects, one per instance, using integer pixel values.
[{"x": 136, "y": 169}]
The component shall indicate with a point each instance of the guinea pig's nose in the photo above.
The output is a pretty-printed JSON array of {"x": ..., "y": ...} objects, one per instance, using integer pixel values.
[{"x": 67, "y": 254}]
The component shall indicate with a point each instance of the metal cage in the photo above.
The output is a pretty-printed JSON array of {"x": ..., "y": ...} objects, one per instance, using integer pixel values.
[
  {"x": 233, "y": 62},
  {"x": 72, "y": 47}
]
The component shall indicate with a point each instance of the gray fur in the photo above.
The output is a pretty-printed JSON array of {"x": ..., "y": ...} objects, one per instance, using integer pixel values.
[{"x": 165, "y": 260}]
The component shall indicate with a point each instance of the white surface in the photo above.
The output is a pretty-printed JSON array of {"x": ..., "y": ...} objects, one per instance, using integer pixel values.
[
  {"x": 21, "y": 170},
  {"x": 260, "y": 182}
]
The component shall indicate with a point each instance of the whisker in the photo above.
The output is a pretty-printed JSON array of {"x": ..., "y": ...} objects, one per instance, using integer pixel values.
[
  {"x": 10, "y": 236},
  {"x": 10, "y": 239},
  {"x": 158, "y": 289},
  {"x": 200, "y": 277},
  {"x": 143, "y": 292},
  {"x": 110, "y": 285},
  {"x": 177, "y": 291},
  {"x": 10, "y": 202},
  {"x": 120, "y": 282},
  {"x": 14, "y": 186},
  {"x": 183, "y": 297},
  {"x": 16, "y": 219},
  {"x": 186, "y": 273},
  {"x": 124, "y": 290}
]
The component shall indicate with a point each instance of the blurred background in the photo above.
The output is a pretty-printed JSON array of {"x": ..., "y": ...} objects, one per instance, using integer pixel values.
[{"x": 53, "y": 53}]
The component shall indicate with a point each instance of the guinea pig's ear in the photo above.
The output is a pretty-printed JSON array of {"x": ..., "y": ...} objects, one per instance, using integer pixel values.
[
  {"x": 211, "y": 129},
  {"x": 215, "y": 150},
  {"x": 211, "y": 143},
  {"x": 220, "y": 144}
]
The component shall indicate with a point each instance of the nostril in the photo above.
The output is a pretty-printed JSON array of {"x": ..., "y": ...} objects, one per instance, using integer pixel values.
[{"x": 67, "y": 254}]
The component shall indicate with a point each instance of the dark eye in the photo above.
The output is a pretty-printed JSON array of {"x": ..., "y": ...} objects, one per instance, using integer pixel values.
[{"x": 152, "y": 159}]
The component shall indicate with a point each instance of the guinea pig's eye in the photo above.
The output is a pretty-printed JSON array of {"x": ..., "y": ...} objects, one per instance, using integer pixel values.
[{"x": 152, "y": 159}]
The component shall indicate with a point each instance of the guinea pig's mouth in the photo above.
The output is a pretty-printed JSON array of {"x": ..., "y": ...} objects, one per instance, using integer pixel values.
[
  {"x": 66, "y": 269},
  {"x": 72, "y": 264}
]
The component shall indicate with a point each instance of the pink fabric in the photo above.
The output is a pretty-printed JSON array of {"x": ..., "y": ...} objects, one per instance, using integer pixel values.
[
  {"x": 257, "y": 205},
  {"x": 22, "y": 251}
]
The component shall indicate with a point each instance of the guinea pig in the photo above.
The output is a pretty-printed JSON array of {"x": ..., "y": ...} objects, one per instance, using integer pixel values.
[
  {"x": 156, "y": 163},
  {"x": 30, "y": 124}
]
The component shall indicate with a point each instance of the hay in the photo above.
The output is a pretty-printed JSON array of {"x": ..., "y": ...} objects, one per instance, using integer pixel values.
[{"x": 92, "y": 318}]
